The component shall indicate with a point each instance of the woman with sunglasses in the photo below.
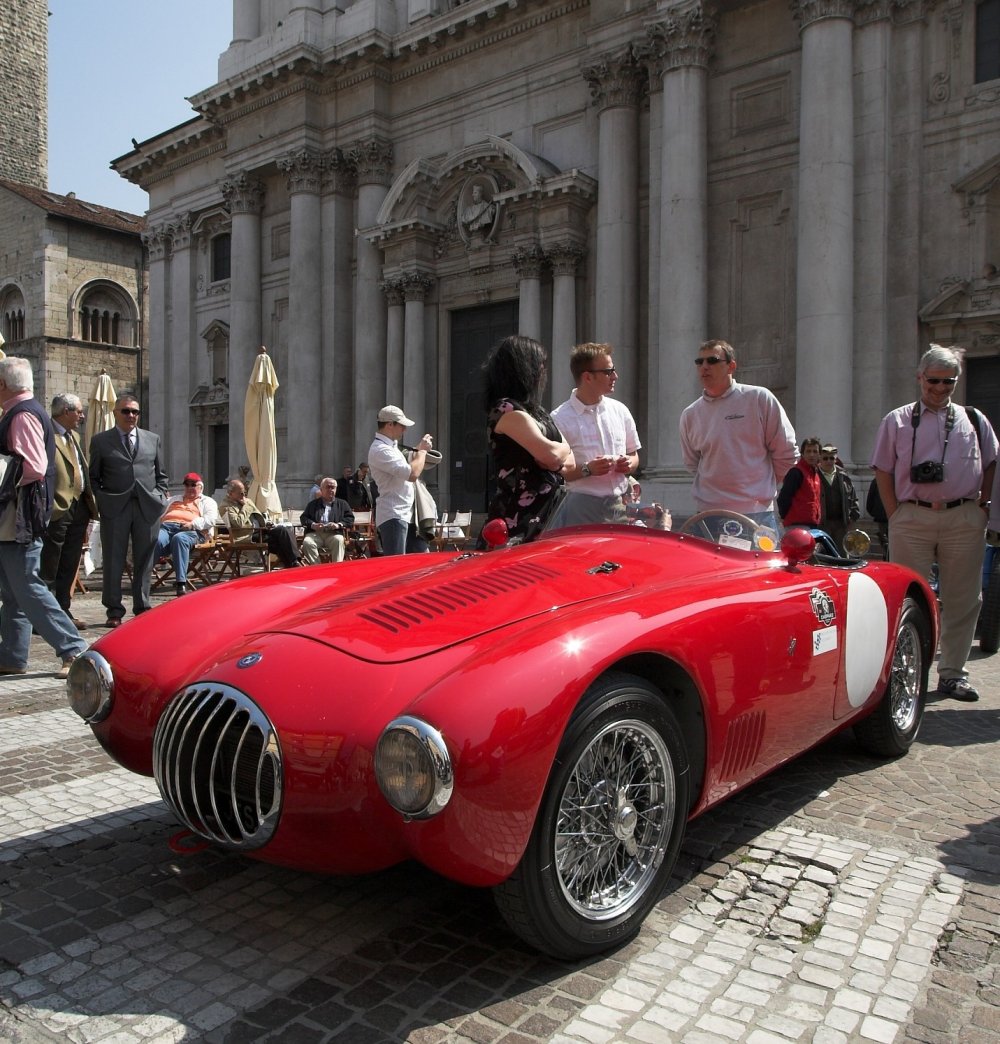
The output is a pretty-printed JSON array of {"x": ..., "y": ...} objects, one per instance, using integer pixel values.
[{"x": 528, "y": 449}]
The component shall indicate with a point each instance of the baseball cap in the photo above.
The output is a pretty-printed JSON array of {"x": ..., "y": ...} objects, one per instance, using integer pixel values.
[{"x": 393, "y": 415}]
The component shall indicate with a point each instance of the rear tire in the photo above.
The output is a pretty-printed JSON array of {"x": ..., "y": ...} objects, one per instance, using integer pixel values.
[
  {"x": 892, "y": 726},
  {"x": 609, "y": 826}
]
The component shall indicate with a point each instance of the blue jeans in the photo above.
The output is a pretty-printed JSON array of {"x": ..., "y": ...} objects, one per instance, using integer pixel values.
[
  {"x": 28, "y": 603},
  {"x": 401, "y": 538},
  {"x": 179, "y": 542}
]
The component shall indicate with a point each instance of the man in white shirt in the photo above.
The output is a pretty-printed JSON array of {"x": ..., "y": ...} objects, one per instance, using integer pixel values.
[
  {"x": 395, "y": 476},
  {"x": 603, "y": 437}
]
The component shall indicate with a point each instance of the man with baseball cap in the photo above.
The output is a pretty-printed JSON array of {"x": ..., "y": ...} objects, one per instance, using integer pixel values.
[
  {"x": 395, "y": 476},
  {"x": 189, "y": 519}
]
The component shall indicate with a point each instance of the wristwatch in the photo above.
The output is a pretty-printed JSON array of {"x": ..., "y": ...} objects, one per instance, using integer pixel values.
[{"x": 585, "y": 470}]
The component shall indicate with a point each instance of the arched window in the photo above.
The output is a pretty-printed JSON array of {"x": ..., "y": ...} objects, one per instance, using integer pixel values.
[
  {"x": 107, "y": 316},
  {"x": 987, "y": 40},
  {"x": 12, "y": 314},
  {"x": 221, "y": 253}
]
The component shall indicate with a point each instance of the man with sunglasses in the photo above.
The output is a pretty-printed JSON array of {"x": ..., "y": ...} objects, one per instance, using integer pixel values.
[
  {"x": 934, "y": 464},
  {"x": 736, "y": 439},
  {"x": 131, "y": 490},
  {"x": 602, "y": 434}
]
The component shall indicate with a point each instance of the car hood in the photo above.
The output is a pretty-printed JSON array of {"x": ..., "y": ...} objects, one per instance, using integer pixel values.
[{"x": 398, "y": 618}]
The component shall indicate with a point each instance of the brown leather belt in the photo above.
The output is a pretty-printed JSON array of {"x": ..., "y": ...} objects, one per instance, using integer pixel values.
[{"x": 939, "y": 505}]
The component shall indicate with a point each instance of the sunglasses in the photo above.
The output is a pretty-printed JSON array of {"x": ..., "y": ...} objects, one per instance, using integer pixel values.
[
  {"x": 128, "y": 412},
  {"x": 826, "y": 456},
  {"x": 941, "y": 380},
  {"x": 708, "y": 360},
  {"x": 607, "y": 372}
]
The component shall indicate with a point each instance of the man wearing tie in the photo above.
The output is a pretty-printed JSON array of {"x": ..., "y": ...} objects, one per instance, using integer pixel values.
[
  {"x": 131, "y": 490},
  {"x": 73, "y": 505}
]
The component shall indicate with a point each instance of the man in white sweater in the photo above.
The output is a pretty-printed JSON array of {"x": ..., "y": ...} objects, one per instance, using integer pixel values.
[{"x": 736, "y": 440}]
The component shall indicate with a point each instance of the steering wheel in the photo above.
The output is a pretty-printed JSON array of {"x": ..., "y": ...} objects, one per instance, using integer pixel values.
[{"x": 697, "y": 525}]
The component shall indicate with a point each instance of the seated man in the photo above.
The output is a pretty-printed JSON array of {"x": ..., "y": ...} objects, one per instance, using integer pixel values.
[
  {"x": 189, "y": 519},
  {"x": 247, "y": 524},
  {"x": 326, "y": 520}
]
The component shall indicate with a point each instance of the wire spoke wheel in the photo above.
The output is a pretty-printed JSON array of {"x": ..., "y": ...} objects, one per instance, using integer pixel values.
[
  {"x": 907, "y": 671},
  {"x": 609, "y": 825},
  {"x": 615, "y": 814}
]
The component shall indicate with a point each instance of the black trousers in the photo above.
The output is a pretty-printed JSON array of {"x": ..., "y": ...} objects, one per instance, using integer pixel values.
[{"x": 62, "y": 546}]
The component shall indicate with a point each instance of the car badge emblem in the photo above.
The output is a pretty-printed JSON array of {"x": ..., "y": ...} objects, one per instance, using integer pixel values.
[
  {"x": 822, "y": 606},
  {"x": 732, "y": 528},
  {"x": 249, "y": 660}
]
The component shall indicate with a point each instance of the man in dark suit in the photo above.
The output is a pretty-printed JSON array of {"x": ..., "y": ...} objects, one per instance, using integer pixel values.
[
  {"x": 131, "y": 490},
  {"x": 73, "y": 505}
]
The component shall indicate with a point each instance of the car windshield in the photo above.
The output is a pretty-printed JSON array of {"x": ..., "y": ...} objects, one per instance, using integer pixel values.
[{"x": 727, "y": 528}]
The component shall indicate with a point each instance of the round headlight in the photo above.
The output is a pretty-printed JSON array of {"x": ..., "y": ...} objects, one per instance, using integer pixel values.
[
  {"x": 413, "y": 768},
  {"x": 856, "y": 543},
  {"x": 90, "y": 686}
]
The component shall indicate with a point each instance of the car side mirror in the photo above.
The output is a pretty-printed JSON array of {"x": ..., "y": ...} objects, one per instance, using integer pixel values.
[
  {"x": 797, "y": 545},
  {"x": 495, "y": 533}
]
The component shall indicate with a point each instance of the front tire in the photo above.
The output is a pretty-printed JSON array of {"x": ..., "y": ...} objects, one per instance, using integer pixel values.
[
  {"x": 892, "y": 727},
  {"x": 609, "y": 826}
]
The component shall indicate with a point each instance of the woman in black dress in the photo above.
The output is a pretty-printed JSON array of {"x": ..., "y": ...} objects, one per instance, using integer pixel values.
[{"x": 528, "y": 448}]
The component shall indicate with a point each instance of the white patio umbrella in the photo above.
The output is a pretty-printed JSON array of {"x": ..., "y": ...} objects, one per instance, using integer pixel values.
[
  {"x": 258, "y": 431},
  {"x": 100, "y": 409}
]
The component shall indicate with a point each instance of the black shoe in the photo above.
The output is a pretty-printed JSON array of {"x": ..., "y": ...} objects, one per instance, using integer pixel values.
[
  {"x": 180, "y": 588},
  {"x": 958, "y": 689}
]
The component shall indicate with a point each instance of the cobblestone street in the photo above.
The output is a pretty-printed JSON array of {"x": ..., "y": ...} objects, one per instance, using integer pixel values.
[{"x": 841, "y": 899}]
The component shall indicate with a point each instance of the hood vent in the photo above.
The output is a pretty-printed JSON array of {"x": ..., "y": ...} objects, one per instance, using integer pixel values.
[{"x": 413, "y": 610}]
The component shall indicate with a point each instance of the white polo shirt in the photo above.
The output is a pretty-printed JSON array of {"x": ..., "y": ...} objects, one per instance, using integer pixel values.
[
  {"x": 605, "y": 429},
  {"x": 391, "y": 472}
]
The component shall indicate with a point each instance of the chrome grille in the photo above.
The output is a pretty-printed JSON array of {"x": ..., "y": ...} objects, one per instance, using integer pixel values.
[{"x": 217, "y": 763}]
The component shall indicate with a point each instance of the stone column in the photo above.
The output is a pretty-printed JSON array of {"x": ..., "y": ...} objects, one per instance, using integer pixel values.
[
  {"x": 528, "y": 263},
  {"x": 393, "y": 289},
  {"x": 416, "y": 286},
  {"x": 337, "y": 375},
  {"x": 825, "y": 270},
  {"x": 564, "y": 258},
  {"x": 245, "y": 195},
  {"x": 616, "y": 85},
  {"x": 681, "y": 47},
  {"x": 372, "y": 160},
  {"x": 157, "y": 242},
  {"x": 182, "y": 364},
  {"x": 310, "y": 441},
  {"x": 246, "y": 20}
]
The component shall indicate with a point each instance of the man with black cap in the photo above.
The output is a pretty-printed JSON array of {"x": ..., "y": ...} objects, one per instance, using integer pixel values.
[
  {"x": 395, "y": 476},
  {"x": 188, "y": 520}
]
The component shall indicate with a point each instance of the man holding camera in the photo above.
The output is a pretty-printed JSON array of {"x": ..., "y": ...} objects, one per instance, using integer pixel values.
[{"x": 934, "y": 464}]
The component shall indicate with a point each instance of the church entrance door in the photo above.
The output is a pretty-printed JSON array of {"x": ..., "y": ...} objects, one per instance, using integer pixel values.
[{"x": 474, "y": 331}]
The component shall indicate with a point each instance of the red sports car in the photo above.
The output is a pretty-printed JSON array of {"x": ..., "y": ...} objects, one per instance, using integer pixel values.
[{"x": 540, "y": 719}]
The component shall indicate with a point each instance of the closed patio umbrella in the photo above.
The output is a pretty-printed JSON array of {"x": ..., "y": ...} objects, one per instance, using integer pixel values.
[
  {"x": 258, "y": 428},
  {"x": 100, "y": 409}
]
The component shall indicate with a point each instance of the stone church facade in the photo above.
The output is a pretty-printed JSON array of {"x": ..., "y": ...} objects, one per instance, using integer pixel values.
[
  {"x": 72, "y": 273},
  {"x": 379, "y": 190}
]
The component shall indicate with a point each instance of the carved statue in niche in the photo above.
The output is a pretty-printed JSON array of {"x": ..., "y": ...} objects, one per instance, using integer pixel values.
[{"x": 478, "y": 210}]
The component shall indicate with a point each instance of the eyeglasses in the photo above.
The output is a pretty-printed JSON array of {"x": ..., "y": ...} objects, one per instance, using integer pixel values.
[
  {"x": 128, "y": 413},
  {"x": 941, "y": 380},
  {"x": 607, "y": 372},
  {"x": 826, "y": 456},
  {"x": 190, "y": 483},
  {"x": 708, "y": 360}
]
